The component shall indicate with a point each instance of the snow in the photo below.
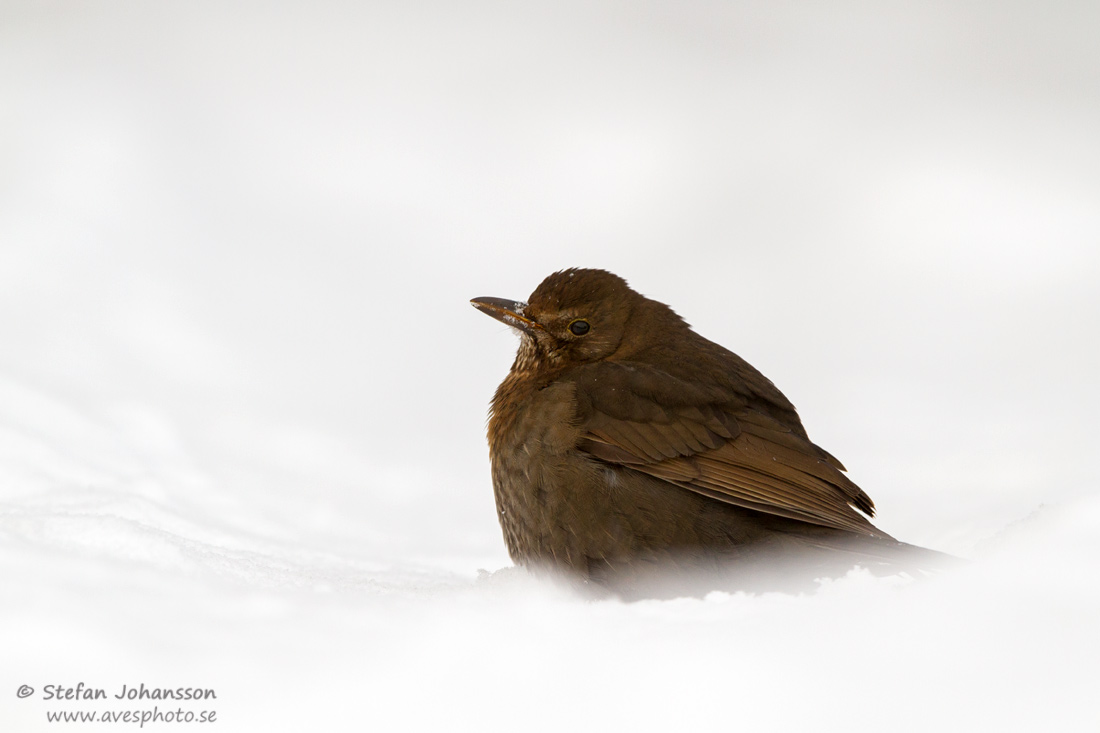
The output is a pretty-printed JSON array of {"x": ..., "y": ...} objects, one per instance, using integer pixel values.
[{"x": 242, "y": 392}]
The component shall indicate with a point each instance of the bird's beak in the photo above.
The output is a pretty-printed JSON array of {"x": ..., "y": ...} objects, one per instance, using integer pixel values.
[{"x": 506, "y": 311}]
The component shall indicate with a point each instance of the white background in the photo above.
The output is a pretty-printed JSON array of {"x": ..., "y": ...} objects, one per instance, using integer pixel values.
[{"x": 242, "y": 394}]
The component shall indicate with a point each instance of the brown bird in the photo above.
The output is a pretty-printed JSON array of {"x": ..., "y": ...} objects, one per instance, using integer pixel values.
[{"x": 632, "y": 453}]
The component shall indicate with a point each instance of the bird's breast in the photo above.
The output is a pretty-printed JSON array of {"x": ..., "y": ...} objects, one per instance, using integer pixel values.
[{"x": 540, "y": 480}]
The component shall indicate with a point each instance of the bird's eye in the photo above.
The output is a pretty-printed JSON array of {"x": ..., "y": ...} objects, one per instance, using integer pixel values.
[{"x": 579, "y": 327}]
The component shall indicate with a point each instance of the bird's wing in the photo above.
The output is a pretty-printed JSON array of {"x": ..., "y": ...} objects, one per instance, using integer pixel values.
[{"x": 714, "y": 442}]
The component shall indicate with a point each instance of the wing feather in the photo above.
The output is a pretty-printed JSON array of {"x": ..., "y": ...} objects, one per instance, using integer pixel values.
[{"x": 715, "y": 443}]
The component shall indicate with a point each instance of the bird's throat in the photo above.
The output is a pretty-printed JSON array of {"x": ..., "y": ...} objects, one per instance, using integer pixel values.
[{"x": 527, "y": 356}]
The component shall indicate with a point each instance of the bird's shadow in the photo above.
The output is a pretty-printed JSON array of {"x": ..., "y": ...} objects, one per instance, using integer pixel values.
[{"x": 787, "y": 572}]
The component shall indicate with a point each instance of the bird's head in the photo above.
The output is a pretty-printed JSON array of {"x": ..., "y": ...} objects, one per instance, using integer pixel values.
[{"x": 574, "y": 316}]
